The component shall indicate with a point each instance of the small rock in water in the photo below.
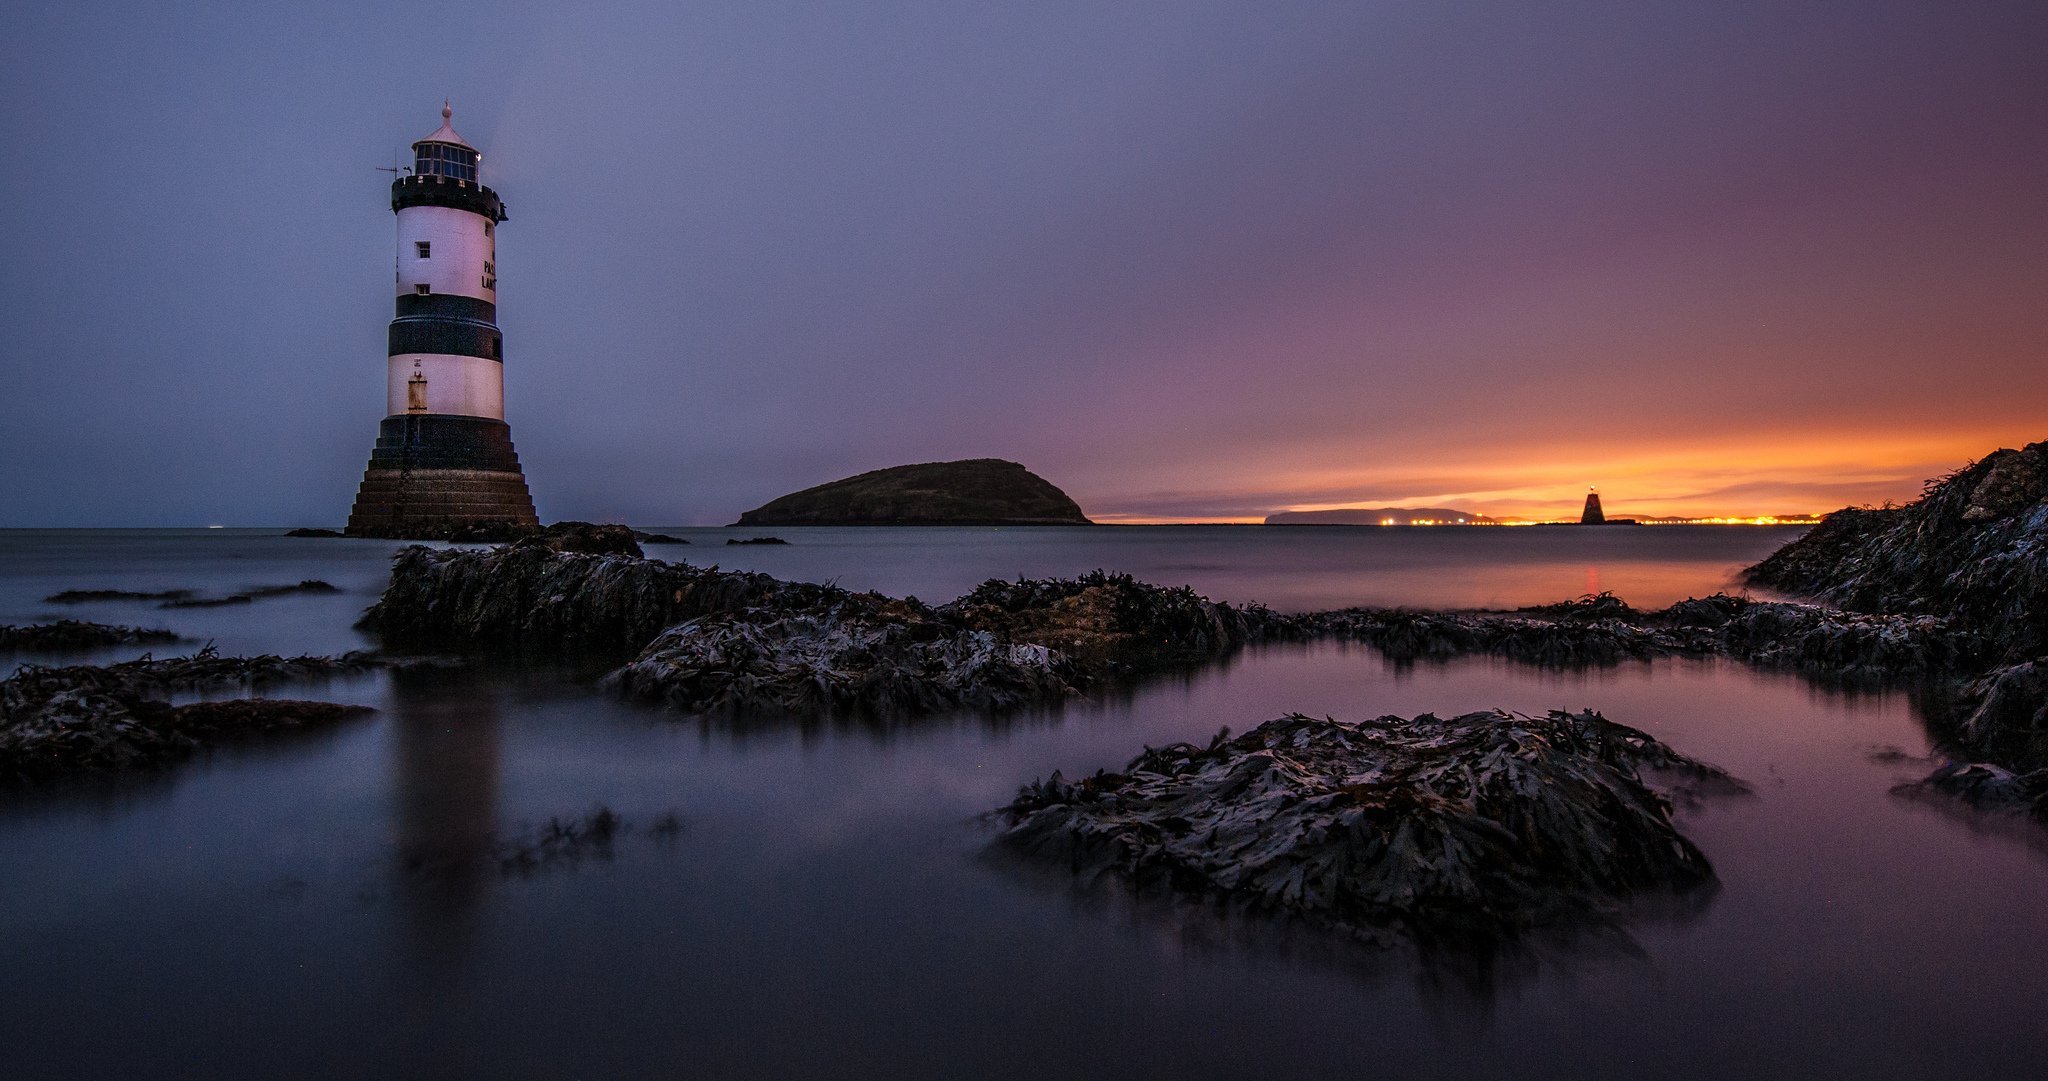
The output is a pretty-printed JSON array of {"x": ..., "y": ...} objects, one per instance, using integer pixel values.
[
  {"x": 756, "y": 540},
  {"x": 77, "y": 634},
  {"x": 80, "y": 596},
  {"x": 87, "y": 718},
  {"x": 246, "y": 596},
  {"x": 310, "y": 532}
]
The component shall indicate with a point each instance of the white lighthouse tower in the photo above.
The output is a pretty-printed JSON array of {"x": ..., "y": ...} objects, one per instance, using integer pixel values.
[{"x": 444, "y": 454}]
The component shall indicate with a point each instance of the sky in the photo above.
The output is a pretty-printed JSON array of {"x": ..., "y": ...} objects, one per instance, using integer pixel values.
[{"x": 1190, "y": 261}]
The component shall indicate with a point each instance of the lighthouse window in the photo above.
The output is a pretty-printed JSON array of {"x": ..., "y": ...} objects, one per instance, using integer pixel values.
[
  {"x": 423, "y": 289},
  {"x": 426, "y": 248}
]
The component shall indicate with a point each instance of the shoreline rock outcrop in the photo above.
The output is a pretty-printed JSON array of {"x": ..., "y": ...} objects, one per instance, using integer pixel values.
[
  {"x": 67, "y": 634},
  {"x": 706, "y": 640},
  {"x": 1463, "y": 828},
  {"x": 82, "y": 719},
  {"x": 1973, "y": 552}
]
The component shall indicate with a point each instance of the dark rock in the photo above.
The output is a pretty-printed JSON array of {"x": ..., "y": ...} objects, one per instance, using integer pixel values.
[
  {"x": 324, "y": 533},
  {"x": 80, "y": 596},
  {"x": 1972, "y": 551},
  {"x": 310, "y": 585},
  {"x": 209, "y": 602},
  {"x": 1470, "y": 827},
  {"x": 76, "y": 634},
  {"x": 584, "y": 537},
  {"x": 734, "y": 641},
  {"x": 978, "y": 491},
  {"x": 1987, "y": 787},
  {"x": 82, "y": 719},
  {"x": 1818, "y": 641},
  {"x": 656, "y": 538},
  {"x": 756, "y": 540}
]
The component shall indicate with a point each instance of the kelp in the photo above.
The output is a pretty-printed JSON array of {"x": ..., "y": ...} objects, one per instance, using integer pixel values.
[
  {"x": 66, "y": 634},
  {"x": 835, "y": 663},
  {"x": 1776, "y": 634},
  {"x": 1003, "y": 646},
  {"x": 702, "y": 639},
  {"x": 1473, "y": 826},
  {"x": 86, "y": 718},
  {"x": 1971, "y": 552},
  {"x": 248, "y": 596}
]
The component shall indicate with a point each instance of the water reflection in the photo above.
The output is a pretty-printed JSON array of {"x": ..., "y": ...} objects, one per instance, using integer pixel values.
[{"x": 445, "y": 745}]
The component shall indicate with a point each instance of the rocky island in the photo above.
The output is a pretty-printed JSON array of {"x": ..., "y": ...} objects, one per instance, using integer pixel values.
[{"x": 976, "y": 491}]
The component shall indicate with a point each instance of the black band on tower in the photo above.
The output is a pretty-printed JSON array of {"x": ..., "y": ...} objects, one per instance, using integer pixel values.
[
  {"x": 443, "y": 441},
  {"x": 453, "y": 337},
  {"x": 446, "y": 306},
  {"x": 441, "y": 191}
]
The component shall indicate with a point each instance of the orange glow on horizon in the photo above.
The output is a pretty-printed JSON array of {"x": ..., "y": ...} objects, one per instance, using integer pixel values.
[{"x": 1788, "y": 477}]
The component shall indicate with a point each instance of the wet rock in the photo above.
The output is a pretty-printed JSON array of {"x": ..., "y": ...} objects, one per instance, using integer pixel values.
[
  {"x": 246, "y": 596},
  {"x": 82, "y": 596},
  {"x": 535, "y": 600},
  {"x": 1972, "y": 551},
  {"x": 1592, "y": 606},
  {"x": 833, "y": 663},
  {"x": 733, "y": 641},
  {"x": 84, "y": 718},
  {"x": 77, "y": 634},
  {"x": 1987, "y": 787},
  {"x": 1473, "y": 826},
  {"x": 657, "y": 538},
  {"x": 323, "y": 533},
  {"x": 584, "y": 537},
  {"x": 2007, "y": 712},
  {"x": 2016, "y": 479},
  {"x": 1778, "y": 634},
  {"x": 757, "y": 540},
  {"x": 1003, "y": 646}
]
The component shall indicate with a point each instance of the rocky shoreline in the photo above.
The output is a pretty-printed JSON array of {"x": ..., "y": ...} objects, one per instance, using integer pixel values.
[
  {"x": 1973, "y": 553},
  {"x": 58, "y": 722},
  {"x": 1423, "y": 827}
]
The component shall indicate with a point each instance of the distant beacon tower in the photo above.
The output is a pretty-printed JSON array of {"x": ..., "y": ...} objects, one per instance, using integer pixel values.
[
  {"x": 444, "y": 452},
  {"x": 1592, "y": 514}
]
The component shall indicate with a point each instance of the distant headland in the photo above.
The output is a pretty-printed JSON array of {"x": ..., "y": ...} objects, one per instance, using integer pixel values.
[{"x": 976, "y": 491}]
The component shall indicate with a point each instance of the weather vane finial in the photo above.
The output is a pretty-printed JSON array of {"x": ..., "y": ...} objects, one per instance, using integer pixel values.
[{"x": 447, "y": 110}]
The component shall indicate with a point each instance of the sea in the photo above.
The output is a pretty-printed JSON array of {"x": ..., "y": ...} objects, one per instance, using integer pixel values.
[{"x": 819, "y": 899}]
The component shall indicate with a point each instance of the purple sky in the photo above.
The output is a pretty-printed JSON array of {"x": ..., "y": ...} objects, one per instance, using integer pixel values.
[{"x": 1187, "y": 260}]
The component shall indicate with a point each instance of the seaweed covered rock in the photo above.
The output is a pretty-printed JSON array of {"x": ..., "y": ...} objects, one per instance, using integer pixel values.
[
  {"x": 826, "y": 663},
  {"x": 1987, "y": 787},
  {"x": 1973, "y": 550},
  {"x": 708, "y": 639},
  {"x": 1111, "y": 618},
  {"x": 1003, "y": 646},
  {"x": 1472, "y": 826},
  {"x": 77, "y": 634},
  {"x": 1819, "y": 641},
  {"x": 531, "y": 598},
  {"x": 84, "y": 718},
  {"x": 597, "y": 540}
]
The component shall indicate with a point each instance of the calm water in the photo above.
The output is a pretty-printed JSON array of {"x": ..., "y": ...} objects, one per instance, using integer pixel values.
[{"x": 320, "y": 906}]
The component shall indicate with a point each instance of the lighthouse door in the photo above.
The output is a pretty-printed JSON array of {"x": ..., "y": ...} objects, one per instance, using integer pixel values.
[{"x": 416, "y": 392}]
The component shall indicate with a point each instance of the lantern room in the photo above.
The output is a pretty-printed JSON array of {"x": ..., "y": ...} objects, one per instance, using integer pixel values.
[{"x": 445, "y": 153}]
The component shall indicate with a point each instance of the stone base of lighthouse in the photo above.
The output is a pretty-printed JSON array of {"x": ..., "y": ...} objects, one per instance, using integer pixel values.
[{"x": 432, "y": 474}]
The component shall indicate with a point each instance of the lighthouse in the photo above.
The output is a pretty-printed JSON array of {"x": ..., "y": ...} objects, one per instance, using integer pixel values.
[
  {"x": 1592, "y": 515},
  {"x": 443, "y": 457}
]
